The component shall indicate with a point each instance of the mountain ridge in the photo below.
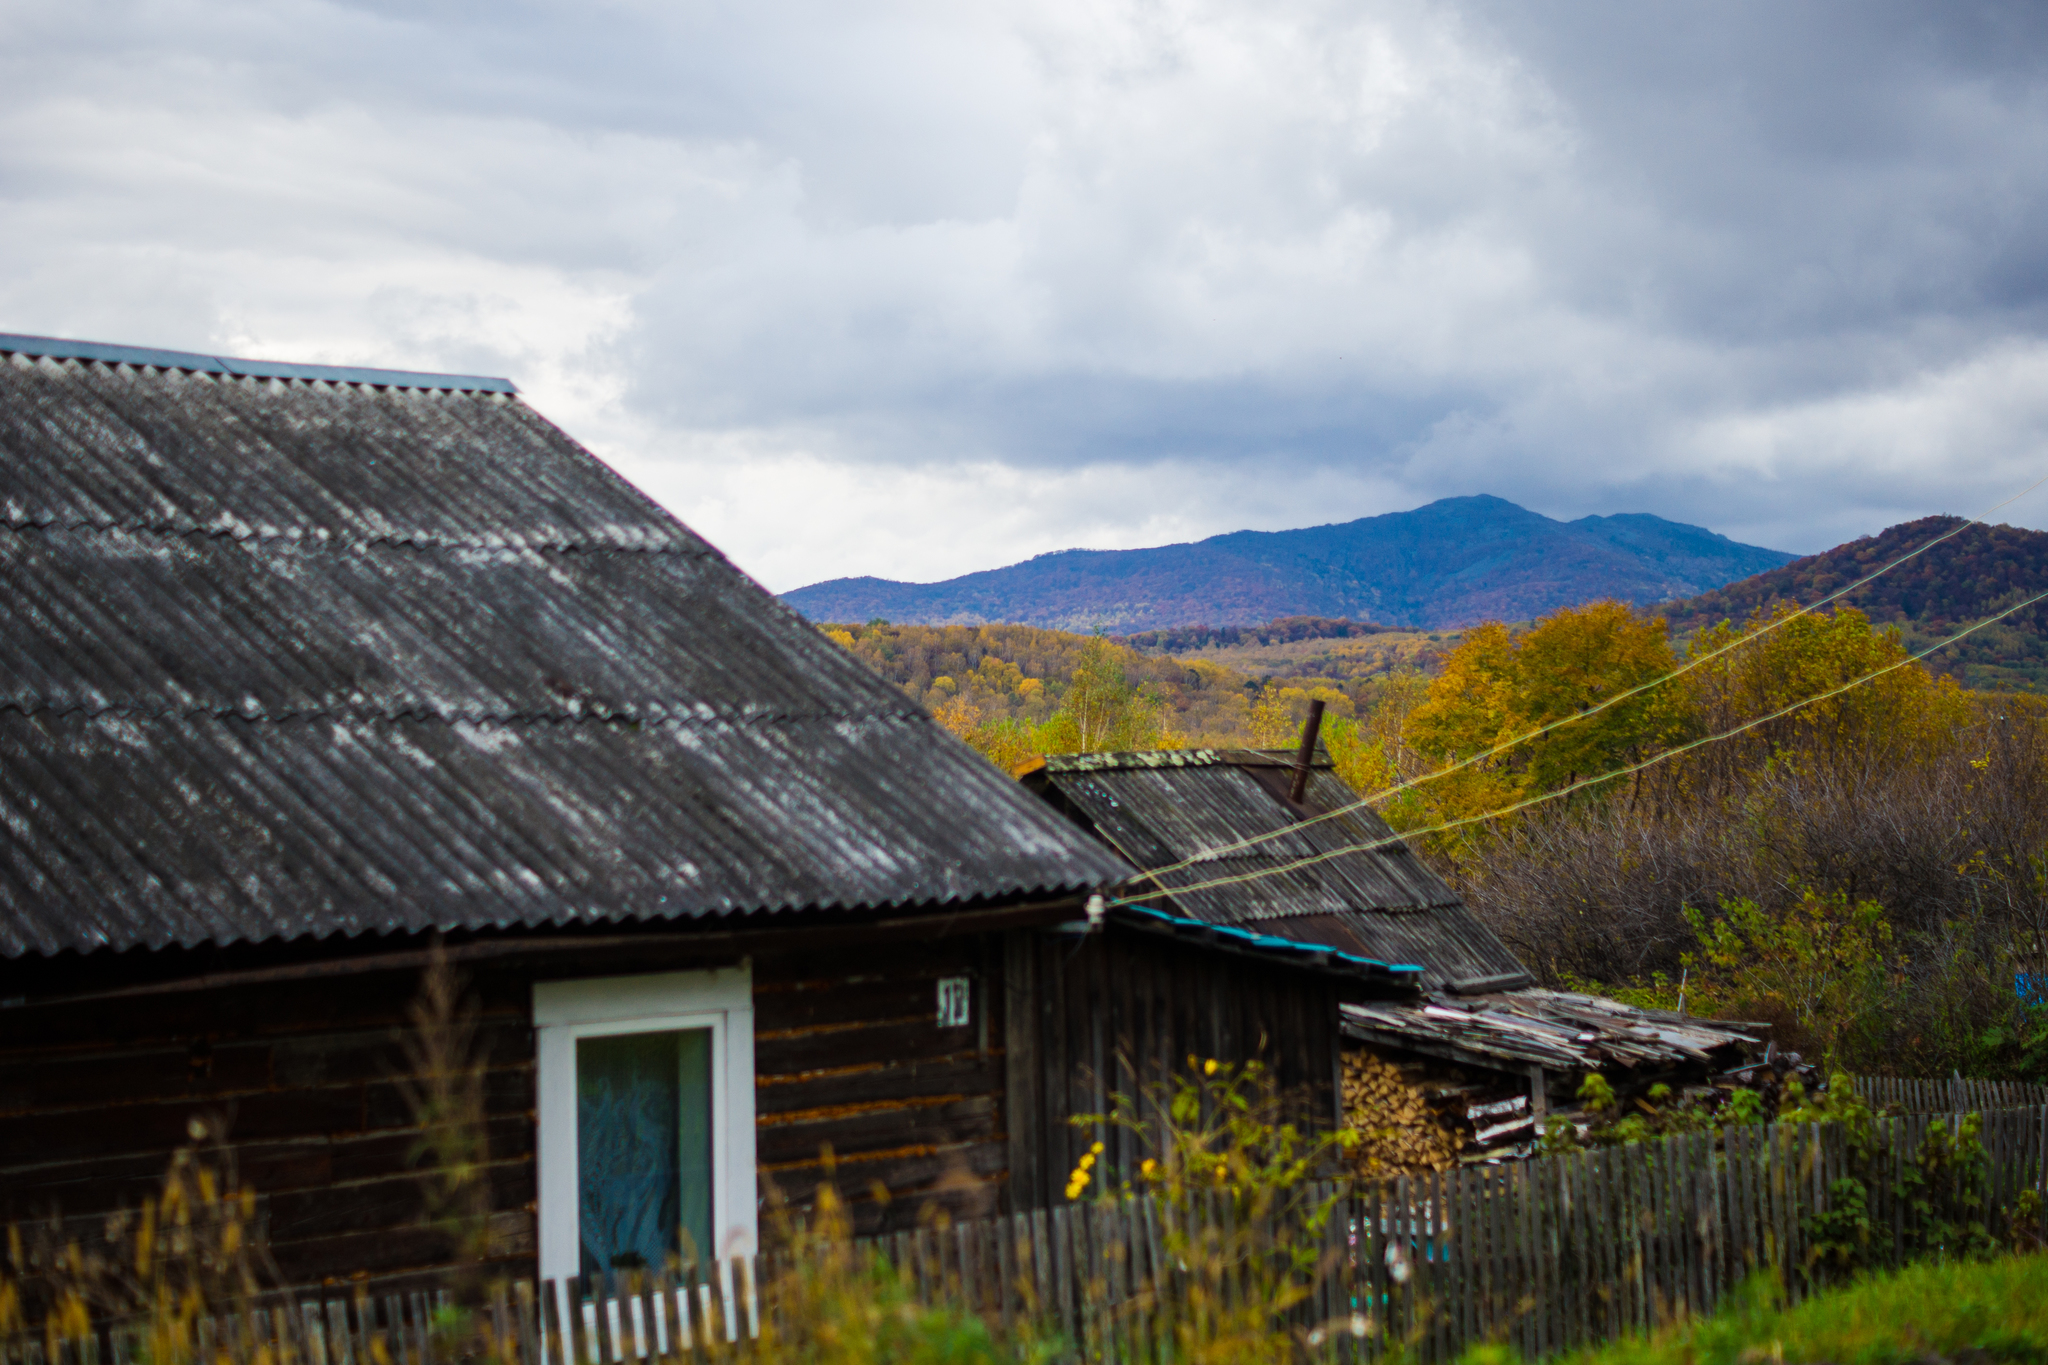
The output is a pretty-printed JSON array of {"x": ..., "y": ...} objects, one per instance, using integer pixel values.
[
  {"x": 1446, "y": 564},
  {"x": 1978, "y": 571}
]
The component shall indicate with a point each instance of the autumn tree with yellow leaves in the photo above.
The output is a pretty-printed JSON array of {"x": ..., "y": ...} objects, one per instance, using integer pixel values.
[
  {"x": 1497, "y": 689},
  {"x": 1099, "y": 708}
]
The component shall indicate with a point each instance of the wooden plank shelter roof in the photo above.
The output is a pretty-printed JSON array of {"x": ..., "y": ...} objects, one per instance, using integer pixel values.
[{"x": 1557, "y": 1030}]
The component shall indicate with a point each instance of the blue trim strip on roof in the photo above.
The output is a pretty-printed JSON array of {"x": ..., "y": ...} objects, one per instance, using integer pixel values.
[
  {"x": 1270, "y": 943},
  {"x": 56, "y": 348}
]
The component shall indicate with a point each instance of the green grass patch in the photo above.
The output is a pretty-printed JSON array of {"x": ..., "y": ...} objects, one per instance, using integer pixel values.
[{"x": 1985, "y": 1311}]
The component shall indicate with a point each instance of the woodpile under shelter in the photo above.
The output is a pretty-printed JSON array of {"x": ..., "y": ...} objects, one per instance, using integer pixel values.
[
  {"x": 309, "y": 674},
  {"x": 1275, "y": 844}
]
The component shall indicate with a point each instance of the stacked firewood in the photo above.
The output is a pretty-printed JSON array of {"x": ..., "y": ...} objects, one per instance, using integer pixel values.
[{"x": 1399, "y": 1131}]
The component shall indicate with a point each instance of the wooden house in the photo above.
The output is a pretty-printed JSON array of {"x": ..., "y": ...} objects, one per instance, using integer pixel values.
[
  {"x": 1273, "y": 843},
  {"x": 308, "y": 673}
]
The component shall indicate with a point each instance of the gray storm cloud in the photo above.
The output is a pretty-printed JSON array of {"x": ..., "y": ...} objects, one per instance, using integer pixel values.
[{"x": 918, "y": 289}]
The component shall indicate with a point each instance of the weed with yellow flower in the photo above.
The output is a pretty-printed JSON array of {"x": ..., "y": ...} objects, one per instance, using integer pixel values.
[{"x": 1241, "y": 1190}]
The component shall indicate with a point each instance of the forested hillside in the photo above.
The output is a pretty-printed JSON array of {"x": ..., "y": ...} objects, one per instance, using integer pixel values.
[
  {"x": 1452, "y": 563},
  {"x": 1869, "y": 872},
  {"x": 1965, "y": 578},
  {"x": 1018, "y": 690}
]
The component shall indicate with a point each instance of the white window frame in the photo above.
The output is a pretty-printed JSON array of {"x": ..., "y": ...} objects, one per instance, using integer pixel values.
[{"x": 564, "y": 1011}]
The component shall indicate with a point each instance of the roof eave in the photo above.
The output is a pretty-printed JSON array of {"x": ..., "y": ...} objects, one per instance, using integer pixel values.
[{"x": 1401, "y": 978}]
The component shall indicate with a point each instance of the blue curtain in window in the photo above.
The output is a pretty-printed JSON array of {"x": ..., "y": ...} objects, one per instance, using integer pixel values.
[{"x": 643, "y": 1148}]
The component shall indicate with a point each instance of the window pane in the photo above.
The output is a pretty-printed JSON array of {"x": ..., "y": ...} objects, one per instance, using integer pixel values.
[
  {"x": 643, "y": 1147},
  {"x": 693, "y": 1134}
]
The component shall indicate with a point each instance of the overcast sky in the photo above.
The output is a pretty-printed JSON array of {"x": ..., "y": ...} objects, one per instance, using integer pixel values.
[{"x": 917, "y": 289}]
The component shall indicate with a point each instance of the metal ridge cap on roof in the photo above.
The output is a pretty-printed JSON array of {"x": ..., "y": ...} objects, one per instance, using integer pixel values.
[
  {"x": 1107, "y": 762},
  {"x": 678, "y": 713},
  {"x": 57, "y": 348},
  {"x": 1132, "y": 760}
]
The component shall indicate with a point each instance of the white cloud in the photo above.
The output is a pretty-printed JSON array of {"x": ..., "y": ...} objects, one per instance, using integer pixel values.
[
  {"x": 1960, "y": 439},
  {"x": 740, "y": 490},
  {"x": 914, "y": 289}
]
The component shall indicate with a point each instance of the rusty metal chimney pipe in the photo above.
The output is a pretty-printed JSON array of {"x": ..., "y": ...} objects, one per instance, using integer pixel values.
[{"x": 1307, "y": 755}]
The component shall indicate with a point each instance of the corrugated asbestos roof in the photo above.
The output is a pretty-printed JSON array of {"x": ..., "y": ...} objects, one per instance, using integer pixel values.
[
  {"x": 300, "y": 656},
  {"x": 1380, "y": 903},
  {"x": 170, "y": 451}
]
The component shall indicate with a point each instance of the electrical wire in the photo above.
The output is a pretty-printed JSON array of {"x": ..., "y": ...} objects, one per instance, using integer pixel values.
[
  {"x": 1541, "y": 797},
  {"x": 1615, "y": 700}
]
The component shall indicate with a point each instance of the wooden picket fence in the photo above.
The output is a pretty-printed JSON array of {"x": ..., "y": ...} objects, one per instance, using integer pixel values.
[
  {"x": 1543, "y": 1255},
  {"x": 1952, "y": 1096}
]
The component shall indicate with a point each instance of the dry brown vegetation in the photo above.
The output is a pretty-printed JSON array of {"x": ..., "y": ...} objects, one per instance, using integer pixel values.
[
  {"x": 1950, "y": 845},
  {"x": 1869, "y": 872}
]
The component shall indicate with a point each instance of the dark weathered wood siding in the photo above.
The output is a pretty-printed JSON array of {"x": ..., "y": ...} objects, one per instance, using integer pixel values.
[
  {"x": 848, "y": 1054},
  {"x": 306, "y": 1076},
  {"x": 1113, "y": 1011}
]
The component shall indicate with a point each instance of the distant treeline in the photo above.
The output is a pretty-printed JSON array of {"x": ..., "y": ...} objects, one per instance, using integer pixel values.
[
  {"x": 1284, "y": 630},
  {"x": 1001, "y": 686},
  {"x": 976, "y": 676}
]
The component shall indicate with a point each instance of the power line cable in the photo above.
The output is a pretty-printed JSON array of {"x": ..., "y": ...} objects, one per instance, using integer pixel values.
[
  {"x": 1327, "y": 854},
  {"x": 1619, "y": 697}
]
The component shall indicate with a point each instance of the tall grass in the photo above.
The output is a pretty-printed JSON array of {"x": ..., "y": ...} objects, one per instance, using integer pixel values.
[
  {"x": 833, "y": 1301},
  {"x": 189, "y": 1253}
]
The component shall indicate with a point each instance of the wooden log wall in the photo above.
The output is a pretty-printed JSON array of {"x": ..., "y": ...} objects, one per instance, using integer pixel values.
[
  {"x": 1119, "y": 1010},
  {"x": 306, "y": 1079},
  {"x": 306, "y": 1076},
  {"x": 849, "y": 1055}
]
